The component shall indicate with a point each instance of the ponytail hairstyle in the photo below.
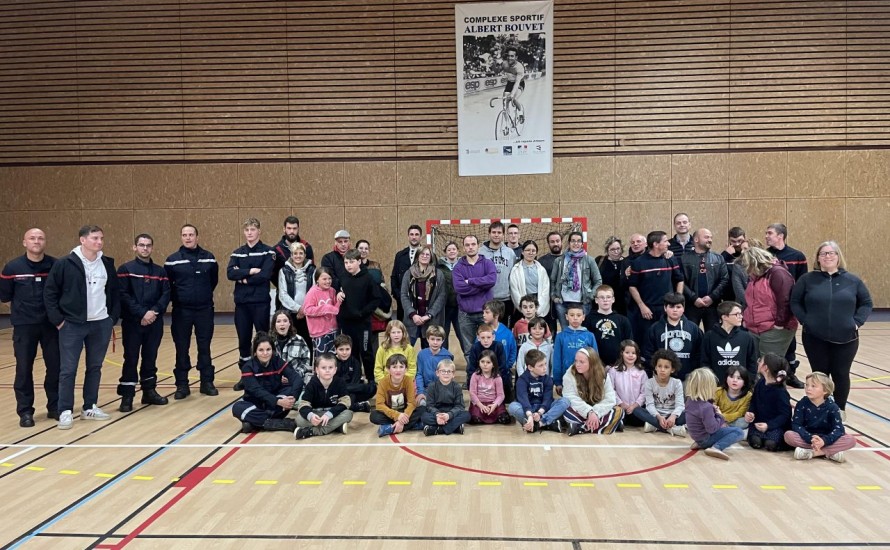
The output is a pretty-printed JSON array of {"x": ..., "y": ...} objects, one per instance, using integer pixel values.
[
  {"x": 619, "y": 365},
  {"x": 259, "y": 339},
  {"x": 593, "y": 388},
  {"x": 778, "y": 367},
  {"x": 743, "y": 374}
]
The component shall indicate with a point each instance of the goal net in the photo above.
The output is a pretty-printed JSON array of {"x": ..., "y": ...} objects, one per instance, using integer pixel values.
[{"x": 440, "y": 232}]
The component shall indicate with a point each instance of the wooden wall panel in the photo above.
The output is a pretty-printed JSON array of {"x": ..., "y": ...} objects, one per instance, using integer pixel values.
[{"x": 211, "y": 80}]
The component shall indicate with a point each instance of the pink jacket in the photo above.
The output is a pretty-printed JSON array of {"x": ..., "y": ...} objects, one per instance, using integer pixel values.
[
  {"x": 629, "y": 385},
  {"x": 321, "y": 308},
  {"x": 769, "y": 301}
]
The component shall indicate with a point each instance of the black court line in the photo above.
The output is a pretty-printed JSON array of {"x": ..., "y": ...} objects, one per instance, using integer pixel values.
[
  {"x": 110, "y": 533},
  {"x": 89, "y": 495},
  {"x": 103, "y": 426},
  {"x": 575, "y": 542}
]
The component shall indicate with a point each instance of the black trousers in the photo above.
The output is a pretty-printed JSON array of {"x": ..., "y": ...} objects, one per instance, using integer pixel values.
[
  {"x": 706, "y": 315},
  {"x": 247, "y": 318},
  {"x": 835, "y": 360},
  {"x": 139, "y": 341},
  {"x": 184, "y": 320},
  {"x": 25, "y": 339},
  {"x": 360, "y": 332}
]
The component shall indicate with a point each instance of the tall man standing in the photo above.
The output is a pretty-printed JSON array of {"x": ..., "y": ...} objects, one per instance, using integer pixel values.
[
  {"x": 401, "y": 264},
  {"x": 22, "y": 283},
  {"x": 796, "y": 262},
  {"x": 82, "y": 300},
  {"x": 145, "y": 293},
  {"x": 474, "y": 277},
  {"x": 681, "y": 242},
  {"x": 503, "y": 258},
  {"x": 193, "y": 274},
  {"x": 282, "y": 249},
  {"x": 250, "y": 267},
  {"x": 706, "y": 280},
  {"x": 652, "y": 275},
  {"x": 334, "y": 260},
  {"x": 554, "y": 244}
]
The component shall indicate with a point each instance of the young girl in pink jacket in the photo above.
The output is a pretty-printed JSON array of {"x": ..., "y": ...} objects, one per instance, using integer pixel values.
[{"x": 321, "y": 307}]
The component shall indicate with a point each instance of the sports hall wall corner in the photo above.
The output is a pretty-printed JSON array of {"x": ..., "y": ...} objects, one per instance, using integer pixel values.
[{"x": 142, "y": 116}]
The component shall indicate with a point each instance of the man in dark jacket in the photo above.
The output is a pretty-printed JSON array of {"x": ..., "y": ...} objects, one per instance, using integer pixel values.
[
  {"x": 22, "y": 283},
  {"x": 145, "y": 293},
  {"x": 193, "y": 274},
  {"x": 82, "y": 300},
  {"x": 401, "y": 264},
  {"x": 707, "y": 278},
  {"x": 250, "y": 267},
  {"x": 333, "y": 260}
]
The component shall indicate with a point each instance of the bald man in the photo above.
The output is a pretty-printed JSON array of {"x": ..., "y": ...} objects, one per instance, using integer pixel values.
[
  {"x": 22, "y": 284},
  {"x": 707, "y": 280}
]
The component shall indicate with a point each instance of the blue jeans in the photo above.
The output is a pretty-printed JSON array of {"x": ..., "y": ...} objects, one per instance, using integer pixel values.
[
  {"x": 722, "y": 438},
  {"x": 73, "y": 338},
  {"x": 550, "y": 416},
  {"x": 561, "y": 308},
  {"x": 645, "y": 416},
  {"x": 429, "y": 419},
  {"x": 467, "y": 325}
]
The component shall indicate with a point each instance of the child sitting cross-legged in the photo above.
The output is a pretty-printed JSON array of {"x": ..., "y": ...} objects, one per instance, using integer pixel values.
[
  {"x": 349, "y": 369},
  {"x": 816, "y": 427},
  {"x": 267, "y": 398},
  {"x": 707, "y": 427},
  {"x": 487, "y": 393},
  {"x": 535, "y": 408},
  {"x": 664, "y": 397},
  {"x": 428, "y": 359},
  {"x": 324, "y": 406},
  {"x": 395, "y": 409},
  {"x": 445, "y": 409},
  {"x": 593, "y": 407}
]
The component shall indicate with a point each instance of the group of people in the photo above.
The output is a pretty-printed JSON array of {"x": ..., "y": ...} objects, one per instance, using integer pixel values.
[{"x": 561, "y": 341}]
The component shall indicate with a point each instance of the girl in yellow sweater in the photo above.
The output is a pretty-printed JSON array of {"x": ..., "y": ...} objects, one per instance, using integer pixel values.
[
  {"x": 395, "y": 341},
  {"x": 734, "y": 396}
]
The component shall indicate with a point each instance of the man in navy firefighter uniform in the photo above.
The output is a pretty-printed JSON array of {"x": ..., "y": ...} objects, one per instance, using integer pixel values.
[
  {"x": 250, "y": 267},
  {"x": 193, "y": 274},
  {"x": 22, "y": 284},
  {"x": 145, "y": 293}
]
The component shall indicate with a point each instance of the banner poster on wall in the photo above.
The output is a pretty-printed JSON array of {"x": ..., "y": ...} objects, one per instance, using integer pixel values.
[{"x": 505, "y": 88}]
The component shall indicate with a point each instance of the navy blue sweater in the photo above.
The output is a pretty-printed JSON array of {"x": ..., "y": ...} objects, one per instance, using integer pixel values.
[
  {"x": 22, "y": 284},
  {"x": 255, "y": 288},
  {"x": 193, "y": 274},
  {"x": 824, "y": 421},
  {"x": 144, "y": 286},
  {"x": 771, "y": 404}
]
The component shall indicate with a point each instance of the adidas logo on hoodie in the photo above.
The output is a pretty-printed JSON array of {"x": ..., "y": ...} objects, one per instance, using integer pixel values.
[{"x": 728, "y": 353}]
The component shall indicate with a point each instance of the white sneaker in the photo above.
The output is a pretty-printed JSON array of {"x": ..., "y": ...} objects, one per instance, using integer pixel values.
[
  {"x": 837, "y": 457},
  {"x": 65, "y": 420},
  {"x": 343, "y": 428},
  {"x": 843, "y": 416},
  {"x": 679, "y": 431},
  {"x": 648, "y": 428},
  {"x": 94, "y": 413},
  {"x": 803, "y": 454}
]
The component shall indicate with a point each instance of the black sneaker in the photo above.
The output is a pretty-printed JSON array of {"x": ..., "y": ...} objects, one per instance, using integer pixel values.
[
  {"x": 239, "y": 386},
  {"x": 303, "y": 433},
  {"x": 152, "y": 397},
  {"x": 363, "y": 407},
  {"x": 207, "y": 388},
  {"x": 52, "y": 415},
  {"x": 575, "y": 428},
  {"x": 795, "y": 382},
  {"x": 460, "y": 430},
  {"x": 429, "y": 430},
  {"x": 246, "y": 428},
  {"x": 26, "y": 420},
  {"x": 182, "y": 392},
  {"x": 126, "y": 404}
]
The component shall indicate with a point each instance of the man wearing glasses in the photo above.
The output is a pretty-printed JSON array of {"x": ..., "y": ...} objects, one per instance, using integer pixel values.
[{"x": 145, "y": 293}]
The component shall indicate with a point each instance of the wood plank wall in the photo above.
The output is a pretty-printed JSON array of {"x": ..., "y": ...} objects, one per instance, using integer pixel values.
[{"x": 190, "y": 80}]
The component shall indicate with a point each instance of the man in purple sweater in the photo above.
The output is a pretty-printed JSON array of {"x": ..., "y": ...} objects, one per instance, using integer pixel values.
[{"x": 474, "y": 278}]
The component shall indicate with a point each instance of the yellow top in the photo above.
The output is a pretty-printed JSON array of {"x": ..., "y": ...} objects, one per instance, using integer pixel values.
[
  {"x": 384, "y": 354},
  {"x": 732, "y": 410}
]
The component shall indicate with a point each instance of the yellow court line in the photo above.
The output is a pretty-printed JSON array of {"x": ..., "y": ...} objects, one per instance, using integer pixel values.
[
  {"x": 821, "y": 488},
  {"x": 143, "y": 478},
  {"x": 773, "y": 487},
  {"x": 69, "y": 472},
  {"x": 444, "y": 483},
  {"x": 725, "y": 486},
  {"x": 7, "y": 465},
  {"x": 870, "y": 379},
  {"x": 35, "y": 468},
  {"x": 582, "y": 485},
  {"x": 535, "y": 484},
  {"x": 107, "y": 476},
  {"x": 115, "y": 363},
  {"x": 869, "y": 487},
  {"x": 265, "y": 482},
  {"x": 174, "y": 479},
  {"x": 398, "y": 483},
  {"x": 629, "y": 485},
  {"x": 489, "y": 483},
  {"x": 223, "y": 481},
  {"x": 676, "y": 486},
  {"x": 308, "y": 482},
  {"x": 350, "y": 482}
]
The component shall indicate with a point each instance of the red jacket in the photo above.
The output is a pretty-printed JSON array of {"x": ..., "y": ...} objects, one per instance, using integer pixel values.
[{"x": 769, "y": 301}]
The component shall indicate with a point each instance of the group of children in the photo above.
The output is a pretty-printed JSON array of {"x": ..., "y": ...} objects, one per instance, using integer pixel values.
[{"x": 417, "y": 391}]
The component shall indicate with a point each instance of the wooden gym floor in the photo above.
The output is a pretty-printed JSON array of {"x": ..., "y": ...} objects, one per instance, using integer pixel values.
[{"x": 182, "y": 476}]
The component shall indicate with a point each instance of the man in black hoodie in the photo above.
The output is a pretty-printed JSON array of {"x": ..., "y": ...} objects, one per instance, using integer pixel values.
[
  {"x": 729, "y": 344},
  {"x": 82, "y": 300},
  {"x": 358, "y": 297}
]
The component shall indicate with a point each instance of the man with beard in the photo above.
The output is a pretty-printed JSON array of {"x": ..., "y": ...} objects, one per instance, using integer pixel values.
[
  {"x": 333, "y": 260},
  {"x": 504, "y": 258},
  {"x": 706, "y": 279},
  {"x": 736, "y": 244},
  {"x": 282, "y": 250},
  {"x": 554, "y": 243},
  {"x": 401, "y": 264}
]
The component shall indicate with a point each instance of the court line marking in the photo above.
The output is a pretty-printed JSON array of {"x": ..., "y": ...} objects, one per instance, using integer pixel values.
[
  {"x": 27, "y": 448},
  {"x": 340, "y": 445}
]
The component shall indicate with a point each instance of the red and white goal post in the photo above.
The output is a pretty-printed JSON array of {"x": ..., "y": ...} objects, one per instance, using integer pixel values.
[{"x": 440, "y": 232}]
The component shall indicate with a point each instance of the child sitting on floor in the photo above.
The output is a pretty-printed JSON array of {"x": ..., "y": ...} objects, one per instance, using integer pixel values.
[{"x": 817, "y": 428}]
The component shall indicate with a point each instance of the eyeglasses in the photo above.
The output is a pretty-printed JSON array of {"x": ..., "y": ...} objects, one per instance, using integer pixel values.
[
  {"x": 735, "y": 314},
  {"x": 443, "y": 371},
  {"x": 827, "y": 253},
  {"x": 143, "y": 245}
]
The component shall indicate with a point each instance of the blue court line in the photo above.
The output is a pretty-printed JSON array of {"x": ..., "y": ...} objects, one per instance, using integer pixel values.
[
  {"x": 46, "y": 525},
  {"x": 872, "y": 413}
]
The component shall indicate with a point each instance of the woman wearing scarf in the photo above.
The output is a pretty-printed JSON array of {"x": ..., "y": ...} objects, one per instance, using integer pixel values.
[
  {"x": 423, "y": 295},
  {"x": 294, "y": 281},
  {"x": 574, "y": 279}
]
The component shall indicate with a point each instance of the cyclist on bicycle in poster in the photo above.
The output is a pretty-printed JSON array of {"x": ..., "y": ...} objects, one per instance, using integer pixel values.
[{"x": 515, "y": 72}]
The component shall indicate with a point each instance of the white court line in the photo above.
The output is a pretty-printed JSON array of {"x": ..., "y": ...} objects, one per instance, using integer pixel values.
[
  {"x": 20, "y": 453},
  {"x": 368, "y": 445}
]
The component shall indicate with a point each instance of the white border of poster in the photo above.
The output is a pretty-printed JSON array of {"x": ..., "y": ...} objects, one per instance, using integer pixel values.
[{"x": 499, "y": 44}]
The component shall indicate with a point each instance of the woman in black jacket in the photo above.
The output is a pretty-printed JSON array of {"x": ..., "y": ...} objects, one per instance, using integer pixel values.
[{"x": 831, "y": 304}]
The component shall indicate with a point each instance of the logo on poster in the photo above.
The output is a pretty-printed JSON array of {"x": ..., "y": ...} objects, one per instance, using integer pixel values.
[{"x": 508, "y": 150}]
